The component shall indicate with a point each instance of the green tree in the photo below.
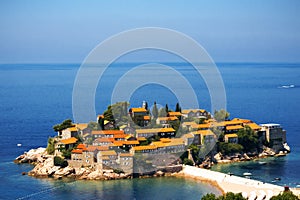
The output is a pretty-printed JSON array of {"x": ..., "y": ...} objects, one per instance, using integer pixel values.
[
  {"x": 175, "y": 125},
  {"x": 178, "y": 108},
  {"x": 50, "y": 146},
  {"x": 229, "y": 148},
  {"x": 227, "y": 196},
  {"x": 195, "y": 150},
  {"x": 58, "y": 161},
  {"x": 155, "y": 110},
  {"x": 187, "y": 161},
  {"x": 117, "y": 112},
  {"x": 248, "y": 139},
  {"x": 162, "y": 112},
  {"x": 285, "y": 196},
  {"x": 167, "y": 108},
  {"x": 209, "y": 196},
  {"x": 65, "y": 124},
  {"x": 221, "y": 115},
  {"x": 94, "y": 126},
  {"x": 101, "y": 123}
]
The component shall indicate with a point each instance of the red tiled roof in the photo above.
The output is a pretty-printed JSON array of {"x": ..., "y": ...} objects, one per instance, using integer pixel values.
[
  {"x": 77, "y": 151},
  {"x": 92, "y": 148}
]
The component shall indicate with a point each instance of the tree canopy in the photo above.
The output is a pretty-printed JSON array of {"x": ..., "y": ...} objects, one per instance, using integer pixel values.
[
  {"x": 221, "y": 115},
  {"x": 155, "y": 110},
  {"x": 227, "y": 196},
  {"x": 248, "y": 139},
  {"x": 65, "y": 124}
]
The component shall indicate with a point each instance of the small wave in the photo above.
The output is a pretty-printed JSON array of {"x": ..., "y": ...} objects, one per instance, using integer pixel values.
[{"x": 286, "y": 86}]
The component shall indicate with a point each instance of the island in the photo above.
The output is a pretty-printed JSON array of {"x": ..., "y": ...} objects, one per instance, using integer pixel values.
[{"x": 134, "y": 142}]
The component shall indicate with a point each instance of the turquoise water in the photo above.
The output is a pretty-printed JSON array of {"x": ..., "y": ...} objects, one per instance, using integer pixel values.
[{"x": 34, "y": 97}]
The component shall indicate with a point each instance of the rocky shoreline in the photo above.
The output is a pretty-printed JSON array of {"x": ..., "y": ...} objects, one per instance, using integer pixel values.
[{"x": 44, "y": 168}]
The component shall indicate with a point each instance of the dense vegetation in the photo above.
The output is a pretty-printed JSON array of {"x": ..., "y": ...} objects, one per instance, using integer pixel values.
[
  {"x": 248, "y": 139},
  {"x": 229, "y": 148},
  {"x": 285, "y": 196},
  {"x": 227, "y": 196},
  {"x": 231, "y": 196}
]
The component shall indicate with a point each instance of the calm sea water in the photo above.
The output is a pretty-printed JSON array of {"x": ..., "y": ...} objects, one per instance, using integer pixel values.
[{"x": 34, "y": 97}]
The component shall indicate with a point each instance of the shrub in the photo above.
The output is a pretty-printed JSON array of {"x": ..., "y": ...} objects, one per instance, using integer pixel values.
[
  {"x": 118, "y": 171},
  {"x": 51, "y": 146},
  {"x": 58, "y": 161},
  {"x": 285, "y": 196},
  {"x": 187, "y": 161}
]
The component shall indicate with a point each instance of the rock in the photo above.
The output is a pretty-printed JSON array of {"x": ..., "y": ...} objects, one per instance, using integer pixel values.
[
  {"x": 94, "y": 175},
  {"x": 218, "y": 157},
  {"x": 159, "y": 173},
  {"x": 32, "y": 156}
]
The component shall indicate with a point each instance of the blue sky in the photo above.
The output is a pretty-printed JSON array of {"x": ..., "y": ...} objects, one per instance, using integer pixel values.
[{"x": 66, "y": 31}]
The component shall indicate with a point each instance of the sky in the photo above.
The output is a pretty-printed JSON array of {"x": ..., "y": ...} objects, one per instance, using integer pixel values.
[{"x": 35, "y": 31}]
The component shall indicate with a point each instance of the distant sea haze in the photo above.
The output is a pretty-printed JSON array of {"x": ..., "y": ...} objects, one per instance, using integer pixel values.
[{"x": 35, "y": 97}]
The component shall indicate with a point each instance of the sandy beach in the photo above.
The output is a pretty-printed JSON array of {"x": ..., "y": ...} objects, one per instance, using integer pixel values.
[{"x": 249, "y": 188}]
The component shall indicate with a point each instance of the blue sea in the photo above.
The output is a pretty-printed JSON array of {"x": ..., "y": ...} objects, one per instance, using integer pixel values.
[{"x": 34, "y": 97}]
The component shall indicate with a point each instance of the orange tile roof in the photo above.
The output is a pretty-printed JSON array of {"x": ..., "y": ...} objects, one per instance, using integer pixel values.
[
  {"x": 99, "y": 148},
  {"x": 233, "y": 135},
  {"x": 138, "y": 110},
  {"x": 125, "y": 155},
  {"x": 140, "y": 148},
  {"x": 121, "y": 136},
  {"x": 71, "y": 140},
  {"x": 235, "y": 127},
  {"x": 121, "y": 143},
  {"x": 108, "y": 153},
  {"x": 166, "y": 130},
  {"x": 253, "y": 126},
  {"x": 73, "y": 129},
  {"x": 81, "y": 126},
  {"x": 147, "y": 131},
  {"x": 105, "y": 158},
  {"x": 167, "y": 118},
  {"x": 186, "y": 111},
  {"x": 174, "y": 113},
  {"x": 232, "y": 123},
  {"x": 77, "y": 151},
  {"x": 141, "y": 139},
  {"x": 200, "y": 126},
  {"x": 107, "y": 132},
  {"x": 203, "y": 132},
  {"x": 147, "y": 117},
  {"x": 104, "y": 140},
  {"x": 242, "y": 120},
  {"x": 165, "y": 139},
  {"x": 82, "y": 147},
  {"x": 171, "y": 142}
]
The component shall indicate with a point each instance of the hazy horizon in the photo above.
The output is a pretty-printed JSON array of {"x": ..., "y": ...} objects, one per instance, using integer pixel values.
[{"x": 231, "y": 31}]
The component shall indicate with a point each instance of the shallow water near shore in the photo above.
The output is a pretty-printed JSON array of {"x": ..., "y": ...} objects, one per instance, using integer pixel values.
[{"x": 35, "y": 97}]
